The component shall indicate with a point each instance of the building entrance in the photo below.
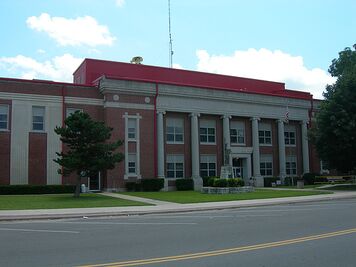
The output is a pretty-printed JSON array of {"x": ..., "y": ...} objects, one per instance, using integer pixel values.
[{"x": 237, "y": 167}]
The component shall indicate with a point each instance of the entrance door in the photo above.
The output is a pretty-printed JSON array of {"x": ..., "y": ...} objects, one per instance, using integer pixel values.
[
  {"x": 94, "y": 183},
  {"x": 237, "y": 167}
]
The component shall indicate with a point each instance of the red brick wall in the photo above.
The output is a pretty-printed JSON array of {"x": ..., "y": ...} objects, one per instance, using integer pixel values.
[
  {"x": 37, "y": 158},
  {"x": 5, "y": 144}
]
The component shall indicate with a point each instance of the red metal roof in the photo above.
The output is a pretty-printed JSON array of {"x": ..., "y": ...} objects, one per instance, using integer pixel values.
[{"x": 91, "y": 69}]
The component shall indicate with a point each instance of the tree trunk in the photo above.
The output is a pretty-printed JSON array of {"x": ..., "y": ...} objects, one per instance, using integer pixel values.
[{"x": 77, "y": 187}]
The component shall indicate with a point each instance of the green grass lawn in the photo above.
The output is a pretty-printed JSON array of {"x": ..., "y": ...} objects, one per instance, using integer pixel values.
[
  {"x": 196, "y": 197},
  {"x": 310, "y": 186},
  {"x": 346, "y": 187},
  {"x": 61, "y": 201}
]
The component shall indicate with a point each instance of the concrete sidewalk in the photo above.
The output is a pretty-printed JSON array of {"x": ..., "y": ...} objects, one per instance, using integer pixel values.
[{"x": 160, "y": 207}]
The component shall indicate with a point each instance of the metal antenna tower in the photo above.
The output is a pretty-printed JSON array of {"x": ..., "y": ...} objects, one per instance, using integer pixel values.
[{"x": 170, "y": 36}]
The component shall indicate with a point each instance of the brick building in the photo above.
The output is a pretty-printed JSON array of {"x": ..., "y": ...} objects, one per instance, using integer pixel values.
[{"x": 174, "y": 123}]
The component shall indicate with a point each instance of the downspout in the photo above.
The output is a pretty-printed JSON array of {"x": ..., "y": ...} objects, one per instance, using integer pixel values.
[
  {"x": 63, "y": 118},
  {"x": 155, "y": 131}
]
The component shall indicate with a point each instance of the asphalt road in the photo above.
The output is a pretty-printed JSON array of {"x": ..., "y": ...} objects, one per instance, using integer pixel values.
[{"x": 315, "y": 234}]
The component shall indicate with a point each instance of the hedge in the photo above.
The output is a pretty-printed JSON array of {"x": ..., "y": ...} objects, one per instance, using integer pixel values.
[
  {"x": 184, "y": 184},
  {"x": 35, "y": 189},
  {"x": 152, "y": 184}
]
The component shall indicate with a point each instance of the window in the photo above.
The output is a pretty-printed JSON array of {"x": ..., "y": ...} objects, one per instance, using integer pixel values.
[
  {"x": 38, "y": 114},
  {"x": 207, "y": 165},
  {"x": 237, "y": 132},
  {"x": 291, "y": 165},
  {"x": 266, "y": 167},
  {"x": 175, "y": 166},
  {"x": 174, "y": 130},
  {"x": 289, "y": 135},
  {"x": 4, "y": 117},
  {"x": 132, "y": 164},
  {"x": 131, "y": 128},
  {"x": 207, "y": 132},
  {"x": 265, "y": 134},
  {"x": 70, "y": 111}
]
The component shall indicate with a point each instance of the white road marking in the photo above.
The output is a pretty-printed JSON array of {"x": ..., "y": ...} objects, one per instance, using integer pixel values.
[
  {"x": 127, "y": 223},
  {"x": 37, "y": 230}
]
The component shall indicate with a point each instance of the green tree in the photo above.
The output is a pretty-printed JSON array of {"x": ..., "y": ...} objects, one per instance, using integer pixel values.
[
  {"x": 88, "y": 148},
  {"x": 334, "y": 133}
]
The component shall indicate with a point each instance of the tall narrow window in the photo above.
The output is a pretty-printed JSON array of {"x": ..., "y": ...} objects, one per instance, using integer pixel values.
[
  {"x": 265, "y": 134},
  {"x": 291, "y": 165},
  {"x": 266, "y": 166},
  {"x": 4, "y": 117},
  {"x": 289, "y": 135},
  {"x": 174, "y": 130},
  {"x": 38, "y": 118},
  {"x": 131, "y": 129},
  {"x": 207, "y": 165},
  {"x": 132, "y": 163},
  {"x": 175, "y": 166},
  {"x": 207, "y": 132},
  {"x": 237, "y": 132}
]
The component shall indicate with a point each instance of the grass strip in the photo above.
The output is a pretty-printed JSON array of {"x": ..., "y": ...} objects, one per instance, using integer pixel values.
[
  {"x": 184, "y": 197},
  {"x": 62, "y": 201}
]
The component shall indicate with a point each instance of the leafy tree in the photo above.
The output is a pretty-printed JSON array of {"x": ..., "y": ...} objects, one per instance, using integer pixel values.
[
  {"x": 334, "y": 134},
  {"x": 88, "y": 149}
]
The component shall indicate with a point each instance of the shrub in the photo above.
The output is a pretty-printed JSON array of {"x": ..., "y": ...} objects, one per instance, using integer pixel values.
[
  {"x": 267, "y": 181},
  {"x": 35, "y": 189},
  {"x": 232, "y": 182},
  {"x": 184, "y": 184},
  {"x": 211, "y": 181},
  {"x": 154, "y": 184},
  {"x": 240, "y": 182},
  {"x": 309, "y": 178},
  {"x": 206, "y": 181},
  {"x": 131, "y": 186},
  {"x": 220, "y": 183}
]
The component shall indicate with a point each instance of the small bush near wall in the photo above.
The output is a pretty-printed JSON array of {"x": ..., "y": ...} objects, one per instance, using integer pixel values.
[
  {"x": 152, "y": 184},
  {"x": 235, "y": 182},
  {"x": 206, "y": 181},
  {"x": 309, "y": 178},
  {"x": 269, "y": 180},
  {"x": 184, "y": 184},
  {"x": 131, "y": 186},
  {"x": 220, "y": 183},
  {"x": 35, "y": 189},
  {"x": 320, "y": 179}
]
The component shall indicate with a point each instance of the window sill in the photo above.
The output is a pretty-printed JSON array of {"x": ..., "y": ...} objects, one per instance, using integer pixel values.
[
  {"x": 132, "y": 175},
  {"x": 5, "y": 130},
  {"x": 209, "y": 144},
  {"x": 41, "y": 132},
  {"x": 265, "y": 144},
  {"x": 175, "y": 143},
  {"x": 290, "y": 145}
]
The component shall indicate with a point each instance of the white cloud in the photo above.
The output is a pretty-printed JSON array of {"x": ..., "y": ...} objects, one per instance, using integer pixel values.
[
  {"x": 120, "y": 3},
  {"x": 177, "y": 66},
  {"x": 59, "y": 68},
  {"x": 72, "y": 32},
  {"x": 267, "y": 65}
]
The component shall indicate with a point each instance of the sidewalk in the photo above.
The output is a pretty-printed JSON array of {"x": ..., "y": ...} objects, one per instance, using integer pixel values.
[{"x": 160, "y": 207}]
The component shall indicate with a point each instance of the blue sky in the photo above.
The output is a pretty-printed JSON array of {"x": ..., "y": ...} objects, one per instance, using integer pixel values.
[{"x": 288, "y": 41}]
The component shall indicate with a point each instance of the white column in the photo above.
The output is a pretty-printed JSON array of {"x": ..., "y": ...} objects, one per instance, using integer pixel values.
[
  {"x": 305, "y": 147},
  {"x": 226, "y": 134},
  {"x": 281, "y": 150},
  {"x": 198, "y": 182},
  {"x": 160, "y": 145},
  {"x": 256, "y": 153}
]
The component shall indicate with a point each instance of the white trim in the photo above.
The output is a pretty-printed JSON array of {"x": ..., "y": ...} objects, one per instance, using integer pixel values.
[
  {"x": 7, "y": 129},
  {"x": 50, "y": 98},
  {"x": 137, "y": 117},
  {"x": 128, "y": 105}
]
